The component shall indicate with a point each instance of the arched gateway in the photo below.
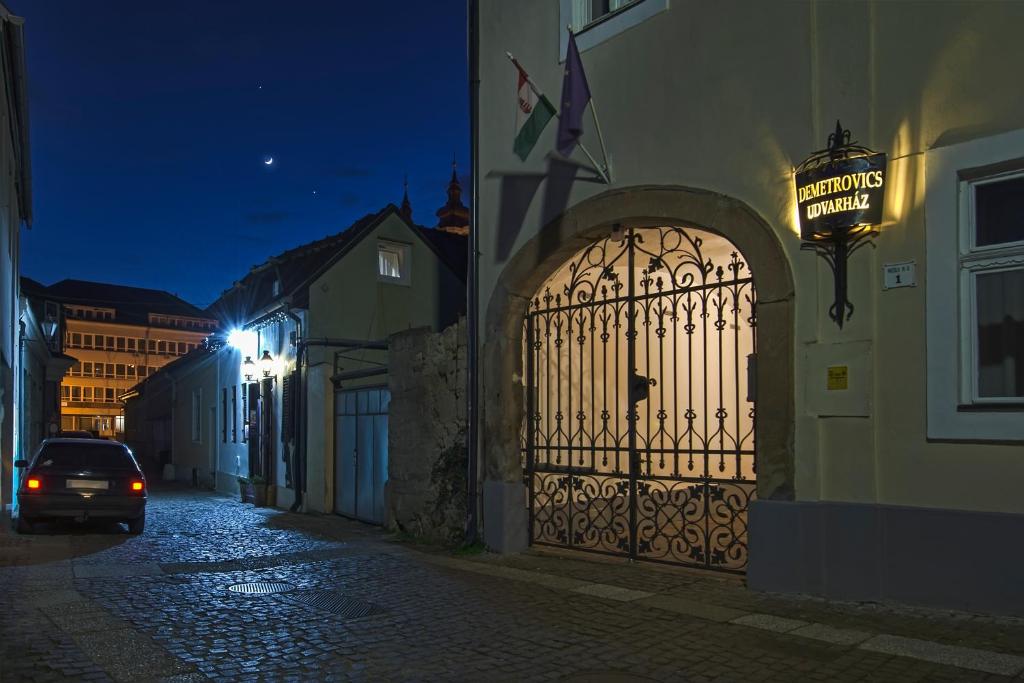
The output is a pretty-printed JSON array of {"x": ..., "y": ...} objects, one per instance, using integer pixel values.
[
  {"x": 669, "y": 284},
  {"x": 639, "y": 434}
]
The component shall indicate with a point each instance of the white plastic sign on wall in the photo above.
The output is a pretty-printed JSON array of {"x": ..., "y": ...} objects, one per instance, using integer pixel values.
[{"x": 899, "y": 275}]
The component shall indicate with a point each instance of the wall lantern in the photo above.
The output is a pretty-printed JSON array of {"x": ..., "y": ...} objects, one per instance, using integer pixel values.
[
  {"x": 840, "y": 191},
  {"x": 50, "y": 328},
  {"x": 266, "y": 363},
  {"x": 248, "y": 369}
]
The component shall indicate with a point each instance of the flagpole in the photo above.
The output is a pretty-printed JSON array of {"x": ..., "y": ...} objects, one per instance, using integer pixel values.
[
  {"x": 538, "y": 93},
  {"x": 597, "y": 124}
]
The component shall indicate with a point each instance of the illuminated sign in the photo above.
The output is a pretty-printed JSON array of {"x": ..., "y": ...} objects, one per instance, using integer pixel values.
[{"x": 840, "y": 194}]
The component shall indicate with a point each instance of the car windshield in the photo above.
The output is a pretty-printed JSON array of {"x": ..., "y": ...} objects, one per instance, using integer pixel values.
[{"x": 78, "y": 455}]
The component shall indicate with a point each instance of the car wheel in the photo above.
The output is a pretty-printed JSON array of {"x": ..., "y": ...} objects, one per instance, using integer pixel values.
[
  {"x": 24, "y": 526},
  {"x": 137, "y": 526}
]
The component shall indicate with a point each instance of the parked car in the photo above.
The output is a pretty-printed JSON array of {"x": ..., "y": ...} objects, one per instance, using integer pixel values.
[
  {"x": 82, "y": 479},
  {"x": 76, "y": 434}
]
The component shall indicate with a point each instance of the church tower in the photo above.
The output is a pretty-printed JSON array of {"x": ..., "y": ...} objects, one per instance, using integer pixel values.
[{"x": 453, "y": 217}]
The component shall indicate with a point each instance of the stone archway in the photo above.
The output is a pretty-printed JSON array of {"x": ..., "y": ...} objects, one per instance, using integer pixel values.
[{"x": 505, "y": 520}]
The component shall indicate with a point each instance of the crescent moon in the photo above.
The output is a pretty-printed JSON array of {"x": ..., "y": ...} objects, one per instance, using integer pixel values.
[{"x": 268, "y": 161}]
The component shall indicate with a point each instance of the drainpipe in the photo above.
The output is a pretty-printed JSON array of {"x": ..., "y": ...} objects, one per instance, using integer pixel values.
[
  {"x": 472, "y": 322},
  {"x": 299, "y": 455}
]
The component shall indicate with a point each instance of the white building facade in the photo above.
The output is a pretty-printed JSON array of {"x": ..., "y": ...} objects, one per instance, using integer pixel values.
[{"x": 660, "y": 375}]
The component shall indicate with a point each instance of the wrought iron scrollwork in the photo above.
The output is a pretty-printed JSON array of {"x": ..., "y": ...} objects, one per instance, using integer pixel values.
[{"x": 639, "y": 438}]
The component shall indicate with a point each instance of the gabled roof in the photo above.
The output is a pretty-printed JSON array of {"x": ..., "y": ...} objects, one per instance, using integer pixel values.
[
  {"x": 255, "y": 293},
  {"x": 451, "y": 248},
  {"x": 297, "y": 268},
  {"x": 132, "y": 304}
]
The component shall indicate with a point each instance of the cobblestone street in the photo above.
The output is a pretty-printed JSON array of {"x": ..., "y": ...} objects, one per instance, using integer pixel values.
[{"x": 99, "y": 604}]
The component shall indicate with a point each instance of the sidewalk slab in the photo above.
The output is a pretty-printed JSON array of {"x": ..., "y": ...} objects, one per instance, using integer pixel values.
[{"x": 963, "y": 657}]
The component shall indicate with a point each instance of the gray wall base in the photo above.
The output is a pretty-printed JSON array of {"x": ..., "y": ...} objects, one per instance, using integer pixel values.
[
  {"x": 505, "y": 516},
  {"x": 934, "y": 557}
]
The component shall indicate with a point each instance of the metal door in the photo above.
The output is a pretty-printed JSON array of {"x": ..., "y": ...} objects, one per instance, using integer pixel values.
[
  {"x": 639, "y": 434},
  {"x": 361, "y": 453}
]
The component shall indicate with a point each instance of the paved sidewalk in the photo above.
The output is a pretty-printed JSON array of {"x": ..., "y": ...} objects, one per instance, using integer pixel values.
[{"x": 99, "y": 604}]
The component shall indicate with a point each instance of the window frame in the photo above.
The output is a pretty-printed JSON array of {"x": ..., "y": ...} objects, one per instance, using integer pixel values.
[
  {"x": 197, "y": 415},
  {"x": 952, "y": 172},
  {"x": 404, "y": 253},
  {"x": 606, "y": 26},
  {"x": 974, "y": 261}
]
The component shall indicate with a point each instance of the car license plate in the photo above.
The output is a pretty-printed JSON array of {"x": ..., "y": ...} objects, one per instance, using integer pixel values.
[{"x": 87, "y": 484}]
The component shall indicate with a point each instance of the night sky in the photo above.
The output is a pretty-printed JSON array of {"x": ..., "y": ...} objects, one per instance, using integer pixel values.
[{"x": 151, "y": 121}]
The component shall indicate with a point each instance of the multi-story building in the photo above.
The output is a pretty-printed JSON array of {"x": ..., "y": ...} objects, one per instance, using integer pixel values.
[
  {"x": 118, "y": 335},
  {"x": 15, "y": 210},
  {"x": 679, "y": 344}
]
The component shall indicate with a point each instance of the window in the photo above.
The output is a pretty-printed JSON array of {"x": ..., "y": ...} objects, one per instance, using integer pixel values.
[
  {"x": 992, "y": 284},
  {"x": 393, "y": 262},
  {"x": 120, "y": 343},
  {"x": 119, "y": 370},
  {"x": 586, "y": 12},
  {"x": 595, "y": 21},
  {"x": 224, "y": 415},
  {"x": 110, "y": 394},
  {"x": 131, "y": 371},
  {"x": 110, "y": 343},
  {"x": 245, "y": 414},
  {"x": 86, "y": 393},
  {"x": 76, "y": 340},
  {"x": 76, "y": 370},
  {"x": 141, "y": 371},
  {"x": 975, "y": 289},
  {"x": 197, "y": 414},
  {"x": 161, "y": 347},
  {"x": 131, "y": 344},
  {"x": 109, "y": 369},
  {"x": 86, "y": 341},
  {"x": 152, "y": 345},
  {"x": 76, "y": 393},
  {"x": 65, "y": 392},
  {"x": 234, "y": 414},
  {"x": 182, "y": 348}
]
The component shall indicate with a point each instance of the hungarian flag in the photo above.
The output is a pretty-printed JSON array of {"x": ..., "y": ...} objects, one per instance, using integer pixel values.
[{"x": 533, "y": 111}]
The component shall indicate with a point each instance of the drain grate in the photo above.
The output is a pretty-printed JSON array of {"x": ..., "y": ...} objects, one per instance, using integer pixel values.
[
  {"x": 335, "y": 603},
  {"x": 261, "y": 588}
]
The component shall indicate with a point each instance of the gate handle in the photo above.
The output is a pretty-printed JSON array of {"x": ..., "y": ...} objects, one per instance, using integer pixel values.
[{"x": 638, "y": 387}]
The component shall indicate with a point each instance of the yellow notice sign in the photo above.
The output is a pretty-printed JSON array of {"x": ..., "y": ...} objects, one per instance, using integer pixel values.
[{"x": 837, "y": 376}]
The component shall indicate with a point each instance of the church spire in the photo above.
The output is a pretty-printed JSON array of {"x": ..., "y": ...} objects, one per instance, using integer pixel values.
[
  {"x": 454, "y": 216},
  {"x": 406, "y": 209}
]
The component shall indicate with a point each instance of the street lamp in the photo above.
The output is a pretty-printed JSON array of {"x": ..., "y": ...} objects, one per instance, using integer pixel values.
[
  {"x": 266, "y": 363},
  {"x": 248, "y": 369}
]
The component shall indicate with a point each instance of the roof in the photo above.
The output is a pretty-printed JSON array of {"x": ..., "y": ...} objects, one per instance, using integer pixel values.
[
  {"x": 255, "y": 292},
  {"x": 452, "y": 249},
  {"x": 298, "y": 267},
  {"x": 132, "y": 304}
]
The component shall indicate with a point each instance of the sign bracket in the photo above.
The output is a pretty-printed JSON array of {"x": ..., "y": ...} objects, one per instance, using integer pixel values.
[{"x": 840, "y": 191}]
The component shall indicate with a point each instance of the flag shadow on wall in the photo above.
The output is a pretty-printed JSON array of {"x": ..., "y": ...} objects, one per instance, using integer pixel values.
[{"x": 518, "y": 190}]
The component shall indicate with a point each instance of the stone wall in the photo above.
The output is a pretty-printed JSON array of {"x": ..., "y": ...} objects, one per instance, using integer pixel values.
[{"x": 425, "y": 492}]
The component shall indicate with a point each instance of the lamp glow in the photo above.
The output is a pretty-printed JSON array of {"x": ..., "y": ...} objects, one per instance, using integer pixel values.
[
  {"x": 248, "y": 369},
  {"x": 243, "y": 340},
  {"x": 266, "y": 363}
]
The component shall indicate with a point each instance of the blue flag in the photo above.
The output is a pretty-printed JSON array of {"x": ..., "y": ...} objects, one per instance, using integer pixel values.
[{"x": 575, "y": 96}]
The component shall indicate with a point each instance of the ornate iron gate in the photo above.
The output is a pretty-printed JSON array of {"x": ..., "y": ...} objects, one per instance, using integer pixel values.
[{"x": 639, "y": 435}]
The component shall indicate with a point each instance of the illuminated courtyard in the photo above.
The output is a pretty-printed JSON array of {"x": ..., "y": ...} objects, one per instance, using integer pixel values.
[{"x": 99, "y": 604}]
